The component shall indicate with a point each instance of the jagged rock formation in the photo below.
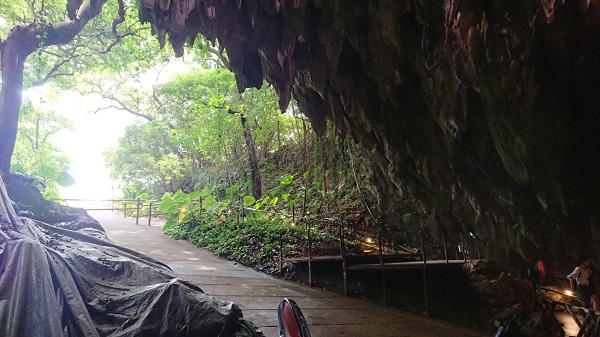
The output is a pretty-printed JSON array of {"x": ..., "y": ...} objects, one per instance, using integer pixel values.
[{"x": 478, "y": 115}]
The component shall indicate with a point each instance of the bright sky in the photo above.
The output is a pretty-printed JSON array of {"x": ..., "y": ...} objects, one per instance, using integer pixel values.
[{"x": 92, "y": 134}]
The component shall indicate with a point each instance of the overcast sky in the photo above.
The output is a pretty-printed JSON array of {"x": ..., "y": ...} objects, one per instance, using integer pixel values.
[{"x": 92, "y": 134}]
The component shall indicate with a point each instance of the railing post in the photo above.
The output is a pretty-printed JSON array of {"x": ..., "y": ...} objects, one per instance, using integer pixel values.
[
  {"x": 445, "y": 248},
  {"x": 343, "y": 255},
  {"x": 380, "y": 244},
  {"x": 425, "y": 290},
  {"x": 464, "y": 248},
  {"x": 149, "y": 213},
  {"x": 293, "y": 214},
  {"x": 137, "y": 212},
  {"x": 456, "y": 247},
  {"x": 124, "y": 209},
  {"x": 310, "y": 283},
  {"x": 280, "y": 253},
  {"x": 383, "y": 286},
  {"x": 423, "y": 248}
]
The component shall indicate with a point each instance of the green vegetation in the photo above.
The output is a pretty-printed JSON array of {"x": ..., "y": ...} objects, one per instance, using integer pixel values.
[
  {"x": 254, "y": 240},
  {"x": 235, "y": 174},
  {"x": 41, "y": 45},
  {"x": 235, "y": 225},
  {"x": 35, "y": 155},
  {"x": 232, "y": 171},
  {"x": 193, "y": 131}
]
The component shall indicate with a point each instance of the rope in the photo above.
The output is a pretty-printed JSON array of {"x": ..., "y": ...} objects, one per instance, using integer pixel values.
[{"x": 360, "y": 194}]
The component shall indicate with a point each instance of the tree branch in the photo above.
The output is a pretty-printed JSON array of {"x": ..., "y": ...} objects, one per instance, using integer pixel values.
[
  {"x": 119, "y": 19},
  {"x": 53, "y": 73},
  {"x": 124, "y": 108},
  {"x": 65, "y": 31},
  {"x": 115, "y": 42},
  {"x": 30, "y": 139},
  {"x": 116, "y": 22}
]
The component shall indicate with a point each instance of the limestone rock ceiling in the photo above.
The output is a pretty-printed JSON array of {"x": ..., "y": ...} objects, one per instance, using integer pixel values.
[{"x": 478, "y": 115}]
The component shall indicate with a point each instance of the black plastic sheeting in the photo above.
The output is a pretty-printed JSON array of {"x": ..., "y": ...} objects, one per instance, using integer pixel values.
[{"x": 61, "y": 282}]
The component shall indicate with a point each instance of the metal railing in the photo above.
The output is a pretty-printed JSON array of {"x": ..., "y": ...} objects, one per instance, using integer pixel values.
[
  {"x": 362, "y": 248},
  {"x": 137, "y": 208}
]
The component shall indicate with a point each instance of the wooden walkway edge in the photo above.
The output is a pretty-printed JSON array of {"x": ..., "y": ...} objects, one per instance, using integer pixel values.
[{"x": 383, "y": 261}]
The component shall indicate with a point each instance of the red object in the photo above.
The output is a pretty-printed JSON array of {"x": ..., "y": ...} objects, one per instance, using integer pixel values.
[
  {"x": 542, "y": 269},
  {"x": 291, "y": 321},
  {"x": 290, "y": 327}
]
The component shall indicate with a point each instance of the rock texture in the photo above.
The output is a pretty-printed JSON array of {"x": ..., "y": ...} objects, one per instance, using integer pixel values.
[
  {"x": 479, "y": 116},
  {"x": 29, "y": 202}
]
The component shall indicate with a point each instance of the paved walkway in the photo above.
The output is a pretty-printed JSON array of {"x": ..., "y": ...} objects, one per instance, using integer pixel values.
[{"x": 328, "y": 314}]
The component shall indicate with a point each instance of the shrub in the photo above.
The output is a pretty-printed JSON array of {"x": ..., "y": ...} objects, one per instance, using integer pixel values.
[{"x": 253, "y": 241}]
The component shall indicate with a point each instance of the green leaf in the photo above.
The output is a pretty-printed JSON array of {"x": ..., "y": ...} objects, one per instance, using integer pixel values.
[
  {"x": 168, "y": 207},
  {"x": 169, "y": 224},
  {"x": 178, "y": 195},
  {"x": 248, "y": 200},
  {"x": 229, "y": 190},
  {"x": 286, "y": 180},
  {"x": 209, "y": 202},
  {"x": 167, "y": 204},
  {"x": 214, "y": 207},
  {"x": 205, "y": 192},
  {"x": 194, "y": 195}
]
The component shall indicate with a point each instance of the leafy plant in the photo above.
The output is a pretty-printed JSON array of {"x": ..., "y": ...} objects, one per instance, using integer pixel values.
[
  {"x": 179, "y": 207},
  {"x": 254, "y": 241}
]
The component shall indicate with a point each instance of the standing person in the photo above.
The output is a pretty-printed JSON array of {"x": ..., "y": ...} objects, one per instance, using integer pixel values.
[{"x": 581, "y": 282}]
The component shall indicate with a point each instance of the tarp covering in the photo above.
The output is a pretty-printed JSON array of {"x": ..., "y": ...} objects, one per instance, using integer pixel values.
[{"x": 61, "y": 282}]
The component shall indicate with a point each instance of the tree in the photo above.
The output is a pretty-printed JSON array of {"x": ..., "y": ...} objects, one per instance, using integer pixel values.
[
  {"x": 39, "y": 28},
  {"x": 196, "y": 118},
  {"x": 146, "y": 161},
  {"x": 35, "y": 155}
]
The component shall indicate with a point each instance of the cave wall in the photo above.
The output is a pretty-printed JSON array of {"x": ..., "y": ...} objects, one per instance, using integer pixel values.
[{"x": 478, "y": 115}]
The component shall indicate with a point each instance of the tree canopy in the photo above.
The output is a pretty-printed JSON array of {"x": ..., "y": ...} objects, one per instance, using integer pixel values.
[
  {"x": 48, "y": 41},
  {"x": 35, "y": 154},
  {"x": 193, "y": 128}
]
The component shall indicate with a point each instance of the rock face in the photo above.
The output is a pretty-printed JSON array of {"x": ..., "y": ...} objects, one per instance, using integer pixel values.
[
  {"x": 29, "y": 202},
  {"x": 478, "y": 116}
]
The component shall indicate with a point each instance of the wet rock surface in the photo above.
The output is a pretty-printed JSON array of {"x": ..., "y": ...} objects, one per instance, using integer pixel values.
[{"x": 478, "y": 116}]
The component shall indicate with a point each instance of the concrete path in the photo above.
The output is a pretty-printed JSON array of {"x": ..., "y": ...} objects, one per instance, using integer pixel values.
[{"x": 328, "y": 314}]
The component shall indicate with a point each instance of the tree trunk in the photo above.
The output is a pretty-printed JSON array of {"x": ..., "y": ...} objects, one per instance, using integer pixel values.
[
  {"x": 20, "y": 43},
  {"x": 13, "y": 61},
  {"x": 254, "y": 170}
]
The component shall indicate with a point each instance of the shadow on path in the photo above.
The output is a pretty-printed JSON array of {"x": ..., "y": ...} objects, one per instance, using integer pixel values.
[{"x": 328, "y": 314}]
